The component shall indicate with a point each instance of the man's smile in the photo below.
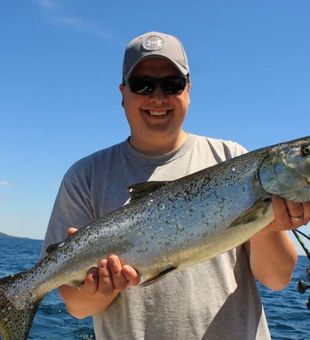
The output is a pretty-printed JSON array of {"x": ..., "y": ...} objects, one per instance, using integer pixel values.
[{"x": 157, "y": 113}]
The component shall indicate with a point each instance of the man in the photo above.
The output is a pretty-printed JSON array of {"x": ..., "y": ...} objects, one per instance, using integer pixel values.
[{"x": 216, "y": 299}]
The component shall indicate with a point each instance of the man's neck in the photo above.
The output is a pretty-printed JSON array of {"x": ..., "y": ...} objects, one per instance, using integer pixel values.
[{"x": 156, "y": 147}]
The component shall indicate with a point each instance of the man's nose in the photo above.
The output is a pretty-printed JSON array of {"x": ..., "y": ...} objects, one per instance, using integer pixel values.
[{"x": 158, "y": 95}]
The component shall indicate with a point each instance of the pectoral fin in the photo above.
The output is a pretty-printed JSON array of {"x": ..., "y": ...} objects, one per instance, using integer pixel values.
[
  {"x": 158, "y": 276},
  {"x": 255, "y": 213}
]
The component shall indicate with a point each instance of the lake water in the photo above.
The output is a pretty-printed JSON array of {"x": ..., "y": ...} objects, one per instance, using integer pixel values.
[{"x": 286, "y": 311}]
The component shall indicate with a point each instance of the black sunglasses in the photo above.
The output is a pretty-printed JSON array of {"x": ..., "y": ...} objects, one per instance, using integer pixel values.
[{"x": 146, "y": 85}]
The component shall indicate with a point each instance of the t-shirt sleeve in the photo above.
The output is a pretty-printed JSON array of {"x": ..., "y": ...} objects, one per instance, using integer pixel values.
[
  {"x": 72, "y": 208},
  {"x": 223, "y": 150},
  {"x": 236, "y": 149}
]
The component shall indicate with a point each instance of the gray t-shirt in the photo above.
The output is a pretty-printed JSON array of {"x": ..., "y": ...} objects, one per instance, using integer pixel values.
[{"x": 216, "y": 299}]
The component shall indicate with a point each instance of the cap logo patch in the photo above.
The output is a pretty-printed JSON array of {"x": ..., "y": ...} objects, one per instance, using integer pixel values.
[{"x": 153, "y": 42}]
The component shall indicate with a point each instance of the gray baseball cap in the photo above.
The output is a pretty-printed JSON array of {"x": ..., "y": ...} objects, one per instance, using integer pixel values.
[{"x": 154, "y": 44}]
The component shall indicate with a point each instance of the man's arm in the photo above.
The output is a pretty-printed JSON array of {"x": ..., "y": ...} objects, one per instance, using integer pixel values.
[{"x": 271, "y": 252}]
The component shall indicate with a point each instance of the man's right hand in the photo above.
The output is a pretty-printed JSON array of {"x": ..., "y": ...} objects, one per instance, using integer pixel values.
[
  {"x": 109, "y": 277},
  {"x": 101, "y": 286}
]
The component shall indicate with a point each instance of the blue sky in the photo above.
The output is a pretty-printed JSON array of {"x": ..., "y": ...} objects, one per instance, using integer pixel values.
[{"x": 60, "y": 67}]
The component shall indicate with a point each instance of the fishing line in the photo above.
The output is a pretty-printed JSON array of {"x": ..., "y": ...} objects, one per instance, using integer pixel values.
[
  {"x": 302, "y": 286},
  {"x": 296, "y": 232},
  {"x": 304, "y": 235}
]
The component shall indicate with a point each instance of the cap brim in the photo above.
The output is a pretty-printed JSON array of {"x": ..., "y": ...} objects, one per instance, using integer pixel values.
[{"x": 178, "y": 66}]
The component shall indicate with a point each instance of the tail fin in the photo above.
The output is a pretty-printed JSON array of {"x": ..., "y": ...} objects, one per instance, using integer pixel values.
[{"x": 15, "y": 321}]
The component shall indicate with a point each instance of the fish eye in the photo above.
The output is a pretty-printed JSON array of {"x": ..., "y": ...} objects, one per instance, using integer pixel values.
[{"x": 305, "y": 150}]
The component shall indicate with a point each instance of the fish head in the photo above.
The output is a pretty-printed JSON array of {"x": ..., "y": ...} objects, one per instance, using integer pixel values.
[{"x": 285, "y": 171}]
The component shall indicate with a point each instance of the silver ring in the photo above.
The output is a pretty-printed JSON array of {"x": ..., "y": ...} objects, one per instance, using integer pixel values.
[{"x": 297, "y": 218}]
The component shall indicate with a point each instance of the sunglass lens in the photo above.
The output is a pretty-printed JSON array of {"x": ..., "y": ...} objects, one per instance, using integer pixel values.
[
  {"x": 143, "y": 86},
  {"x": 173, "y": 85}
]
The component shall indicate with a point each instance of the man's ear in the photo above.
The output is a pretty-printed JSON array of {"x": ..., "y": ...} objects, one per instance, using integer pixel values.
[
  {"x": 189, "y": 86},
  {"x": 121, "y": 88}
]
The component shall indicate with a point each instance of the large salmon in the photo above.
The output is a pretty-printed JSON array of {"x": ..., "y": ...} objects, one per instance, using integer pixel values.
[{"x": 167, "y": 226}]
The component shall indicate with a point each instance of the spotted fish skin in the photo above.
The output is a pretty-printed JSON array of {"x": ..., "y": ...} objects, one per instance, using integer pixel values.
[{"x": 167, "y": 226}]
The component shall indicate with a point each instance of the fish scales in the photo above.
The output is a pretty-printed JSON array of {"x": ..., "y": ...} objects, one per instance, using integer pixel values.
[{"x": 167, "y": 226}]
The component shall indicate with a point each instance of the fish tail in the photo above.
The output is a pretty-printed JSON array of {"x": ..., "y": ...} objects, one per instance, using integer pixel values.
[{"x": 15, "y": 317}]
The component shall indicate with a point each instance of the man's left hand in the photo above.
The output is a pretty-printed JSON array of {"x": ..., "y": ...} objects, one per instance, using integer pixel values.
[{"x": 288, "y": 215}]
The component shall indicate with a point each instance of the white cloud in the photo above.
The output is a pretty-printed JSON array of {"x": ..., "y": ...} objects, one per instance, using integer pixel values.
[
  {"x": 4, "y": 183},
  {"x": 72, "y": 22},
  {"x": 83, "y": 26},
  {"x": 46, "y": 4}
]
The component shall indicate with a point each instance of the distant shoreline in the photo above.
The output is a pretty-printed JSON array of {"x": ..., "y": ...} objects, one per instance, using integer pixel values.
[{"x": 4, "y": 235}]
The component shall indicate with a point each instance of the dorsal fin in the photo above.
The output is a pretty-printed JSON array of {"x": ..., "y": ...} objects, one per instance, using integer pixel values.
[
  {"x": 140, "y": 190},
  {"x": 53, "y": 246}
]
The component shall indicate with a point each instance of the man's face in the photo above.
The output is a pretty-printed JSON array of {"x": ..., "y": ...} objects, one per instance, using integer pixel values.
[{"x": 156, "y": 115}]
